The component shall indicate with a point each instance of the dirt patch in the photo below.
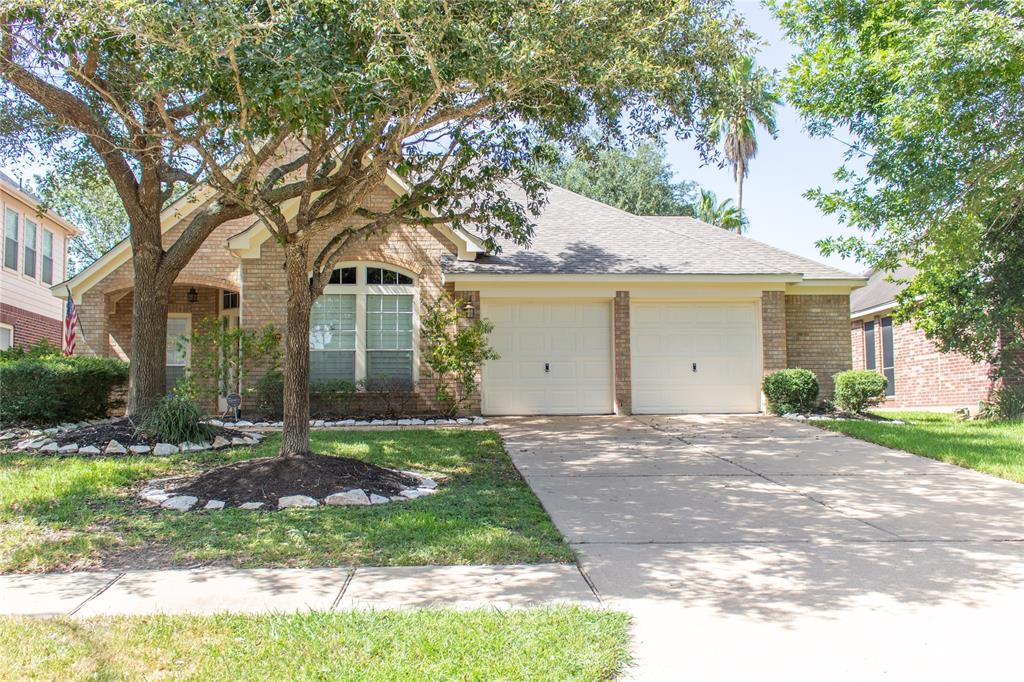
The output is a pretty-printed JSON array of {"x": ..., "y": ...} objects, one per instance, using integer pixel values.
[
  {"x": 124, "y": 432},
  {"x": 269, "y": 478}
]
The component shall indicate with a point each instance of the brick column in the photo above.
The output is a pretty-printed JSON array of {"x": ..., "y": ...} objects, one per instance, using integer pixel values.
[
  {"x": 93, "y": 336},
  {"x": 773, "y": 331},
  {"x": 623, "y": 360}
]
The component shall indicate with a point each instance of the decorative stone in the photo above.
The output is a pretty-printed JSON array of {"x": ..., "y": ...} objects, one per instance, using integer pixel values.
[
  {"x": 216, "y": 422},
  {"x": 140, "y": 449},
  {"x": 290, "y": 501},
  {"x": 154, "y": 495},
  {"x": 69, "y": 449},
  {"x": 464, "y": 421},
  {"x": 214, "y": 504},
  {"x": 50, "y": 447},
  {"x": 377, "y": 422},
  {"x": 180, "y": 503},
  {"x": 479, "y": 420},
  {"x": 115, "y": 448},
  {"x": 318, "y": 422},
  {"x": 413, "y": 493},
  {"x": 378, "y": 499},
  {"x": 165, "y": 449},
  {"x": 89, "y": 450},
  {"x": 348, "y": 497},
  {"x": 361, "y": 423},
  {"x": 195, "y": 447},
  {"x": 250, "y": 506},
  {"x": 239, "y": 441},
  {"x": 416, "y": 422},
  {"x": 347, "y": 422},
  {"x": 428, "y": 483},
  {"x": 51, "y": 430},
  {"x": 431, "y": 422},
  {"x": 405, "y": 422},
  {"x": 220, "y": 442},
  {"x": 243, "y": 423}
]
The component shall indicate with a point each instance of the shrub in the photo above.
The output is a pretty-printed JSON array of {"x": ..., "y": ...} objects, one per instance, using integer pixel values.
[
  {"x": 1006, "y": 402},
  {"x": 454, "y": 351},
  {"x": 175, "y": 419},
  {"x": 50, "y": 388},
  {"x": 390, "y": 397},
  {"x": 791, "y": 390},
  {"x": 269, "y": 394},
  {"x": 38, "y": 350},
  {"x": 331, "y": 397},
  {"x": 856, "y": 390},
  {"x": 222, "y": 357}
]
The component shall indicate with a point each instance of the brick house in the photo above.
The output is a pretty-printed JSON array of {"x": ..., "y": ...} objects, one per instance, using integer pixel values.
[
  {"x": 919, "y": 374},
  {"x": 605, "y": 312},
  {"x": 34, "y": 258}
]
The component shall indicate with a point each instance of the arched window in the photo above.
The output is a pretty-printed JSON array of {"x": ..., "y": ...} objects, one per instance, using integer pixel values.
[{"x": 363, "y": 327}]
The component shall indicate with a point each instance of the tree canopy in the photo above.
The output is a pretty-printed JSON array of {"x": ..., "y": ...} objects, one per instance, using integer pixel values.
[
  {"x": 638, "y": 180},
  {"x": 929, "y": 94},
  {"x": 725, "y": 215}
]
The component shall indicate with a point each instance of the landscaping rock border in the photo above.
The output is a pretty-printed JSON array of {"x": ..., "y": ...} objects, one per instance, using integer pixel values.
[
  {"x": 342, "y": 423},
  {"x": 154, "y": 494}
]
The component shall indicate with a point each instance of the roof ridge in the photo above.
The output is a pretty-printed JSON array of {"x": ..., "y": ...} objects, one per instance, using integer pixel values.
[
  {"x": 758, "y": 241},
  {"x": 644, "y": 220}
]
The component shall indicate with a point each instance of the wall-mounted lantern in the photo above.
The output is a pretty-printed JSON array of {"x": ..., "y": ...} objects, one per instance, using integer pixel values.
[{"x": 193, "y": 295}]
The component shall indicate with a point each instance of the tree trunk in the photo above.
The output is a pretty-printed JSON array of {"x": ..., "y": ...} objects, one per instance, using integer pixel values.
[
  {"x": 295, "y": 437},
  {"x": 740, "y": 172},
  {"x": 146, "y": 371}
]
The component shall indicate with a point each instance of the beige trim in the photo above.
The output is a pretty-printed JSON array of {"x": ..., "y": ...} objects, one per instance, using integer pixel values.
[
  {"x": 484, "y": 277},
  {"x": 872, "y": 312}
]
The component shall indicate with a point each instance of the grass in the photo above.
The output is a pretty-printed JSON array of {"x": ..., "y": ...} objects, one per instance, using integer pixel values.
[
  {"x": 82, "y": 512},
  {"x": 553, "y": 643},
  {"x": 995, "y": 448}
]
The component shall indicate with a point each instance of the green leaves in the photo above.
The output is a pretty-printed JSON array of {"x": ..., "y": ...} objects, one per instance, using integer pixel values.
[{"x": 455, "y": 348}]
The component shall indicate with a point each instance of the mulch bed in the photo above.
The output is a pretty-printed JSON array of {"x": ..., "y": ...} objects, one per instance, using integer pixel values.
[
  {"x": 270, "y": 478},
  {"x": 123, "y": 431}
]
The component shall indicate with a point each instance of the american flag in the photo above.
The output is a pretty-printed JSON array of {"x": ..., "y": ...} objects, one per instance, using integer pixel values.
[{"x": 70, "y": 325}]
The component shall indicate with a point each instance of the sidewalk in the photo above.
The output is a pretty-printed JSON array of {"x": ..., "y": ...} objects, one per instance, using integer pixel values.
[{"x": 215, "y": 590}]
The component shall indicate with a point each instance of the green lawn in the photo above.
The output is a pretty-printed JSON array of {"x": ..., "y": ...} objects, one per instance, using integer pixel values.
[
  {"x": 554, "y": 643},
  {"x": 996, "y": 448},
  {"x": 82, "y": 512}
]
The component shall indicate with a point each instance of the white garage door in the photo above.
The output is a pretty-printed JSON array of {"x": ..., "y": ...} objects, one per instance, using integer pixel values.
[
  {"x": 695, "y": 357},
  {"x": 555, "y": 358}
]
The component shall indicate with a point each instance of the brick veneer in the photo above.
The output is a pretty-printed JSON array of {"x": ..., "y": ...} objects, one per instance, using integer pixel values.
[
  {"x": 773, "y": 331},
  {"x": 623, "y": 357},
  {"x": 924, "y": 376},
  {"x": 817, "y": 336},
  {"x": 29, "y": 327}
]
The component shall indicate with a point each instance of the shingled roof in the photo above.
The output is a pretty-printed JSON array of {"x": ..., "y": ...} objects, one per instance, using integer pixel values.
[
  {"x": 579, "y": 236},
  {"x": 880, "y": 291}
]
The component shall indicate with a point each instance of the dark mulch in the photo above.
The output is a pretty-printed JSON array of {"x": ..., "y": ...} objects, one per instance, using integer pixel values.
[
  {"x": 123, "y": 431},
  {"x": 269, "y": 478}
]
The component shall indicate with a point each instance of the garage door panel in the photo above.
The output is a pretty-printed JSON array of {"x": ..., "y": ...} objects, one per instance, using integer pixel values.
[
  {"x": 722, "y": 338},
  {"x": 572, "y": 339}
]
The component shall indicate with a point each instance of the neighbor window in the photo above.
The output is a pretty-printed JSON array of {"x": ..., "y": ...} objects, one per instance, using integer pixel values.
[
  {"x": 869, "y": 345},
  {"x": 361, "y": 327},
  {"x": 6, "y": 336},
  {"x": 29, "y": 266},
  {"x": 10, "y": 239},
  {"x": 179, "y": 329},
  {"x": 888, "y": 360},
  {"x": 47, "y": 257}
]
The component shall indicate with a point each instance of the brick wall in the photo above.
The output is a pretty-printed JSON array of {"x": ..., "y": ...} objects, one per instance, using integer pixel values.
[
  {"x": 773, "y": 331},
  {"x": 818, "y": 337},
  {"x": 623, "y": 358},
  {"x": 414, "y": 248},
  {"x": 924, "y": 376},
  {"x": 120, "y": 320},
  {"x": 29, "y": 327}
]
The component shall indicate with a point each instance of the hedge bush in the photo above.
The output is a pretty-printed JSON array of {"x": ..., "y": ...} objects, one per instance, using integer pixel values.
[
  {"x": 175, "y": 419},
  {"x": 858, "y": 389},
  {"x": 52, "y": 389},
  {"x": 1006, "y": 402},
  {"x": 791, "y": 390}
]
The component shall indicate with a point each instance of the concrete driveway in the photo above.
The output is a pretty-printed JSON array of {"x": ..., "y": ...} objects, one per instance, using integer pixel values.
[{"x": 754, "y": 548}]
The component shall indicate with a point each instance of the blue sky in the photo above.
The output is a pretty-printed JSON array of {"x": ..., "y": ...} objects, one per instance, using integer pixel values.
[{"x": 784, "y": 169}]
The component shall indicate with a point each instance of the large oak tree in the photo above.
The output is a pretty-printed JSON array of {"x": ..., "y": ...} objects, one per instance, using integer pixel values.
[{"x": 311, "y": 104}]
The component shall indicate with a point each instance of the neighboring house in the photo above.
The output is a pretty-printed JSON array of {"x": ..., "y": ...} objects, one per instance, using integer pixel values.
[
  {"x": 605, "y": 312},
  {"x": 34, "y": 258},
  {"x": 918, "y": 373}
]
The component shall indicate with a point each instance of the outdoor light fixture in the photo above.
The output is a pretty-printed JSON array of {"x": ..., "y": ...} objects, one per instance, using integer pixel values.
[
  {"x": 470, "y": 310},
  {"x": 193, "y": 295}
]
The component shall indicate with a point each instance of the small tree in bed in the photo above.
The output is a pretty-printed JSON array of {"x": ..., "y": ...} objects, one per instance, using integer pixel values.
[{"x": 455, "y": 350}]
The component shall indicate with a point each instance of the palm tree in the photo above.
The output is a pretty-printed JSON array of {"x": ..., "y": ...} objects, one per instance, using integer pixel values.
[
  {"x": 751, "y": 101},
  {"x": 723, "y": 215}
]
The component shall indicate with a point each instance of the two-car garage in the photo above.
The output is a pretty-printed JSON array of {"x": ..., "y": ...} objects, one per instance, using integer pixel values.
[{"x": 686, "y": 356}]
